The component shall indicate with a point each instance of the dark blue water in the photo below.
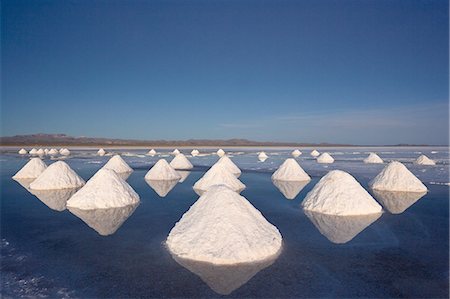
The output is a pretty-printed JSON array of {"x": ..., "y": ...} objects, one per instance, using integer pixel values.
[{"x": 55, "y": 254}]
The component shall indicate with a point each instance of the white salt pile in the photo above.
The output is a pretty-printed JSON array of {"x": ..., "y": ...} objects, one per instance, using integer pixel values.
[
  {"x": 33, "y": 151},
  {"x": 396, "y": 202},
  {"x": 162, "y": 187},
  {"x": 40, "y": 152},
  {"x": 290, "y": 170},
  {"x": 195, "y": 153},
  {"x": 290, "y": 189},
  {"x": 229, "y": 165},
  {"x": 181, "y": 162},
  {"x": 338, "y": 193},
  {"x": 64, "y": 152},
  {"x": 314, "y": 153},
  {"x": 176, "y": 151},
  {"x": 296, "y": 153},
  {"x": 151, "y": 152},
  {"x": 396, "y": 177},
  {"x": 46, "y": 151},
  {"x": 262, "y": 156},
  {"x": 424, "y": 160},
  {"x": 223, "y": 228},
  {"x": 31, "y": 170},
  {"x": 220, "y": 152},
  {"x": 373, "y": 159},
  {"x": 55, "y": 199},
  {"x": 101, "y": 152},
  {"x": 23, "y": 152},
  {"x": 325, "y": 158},
  {"x": 58, "y": 175},
  {"x": 218, "y": 175},
  {"x": 53, "y": 152},
  {"x": 117, "y": 164},
  {"x": 106, "y": 189},
  {"x": 162, "y": 171}
]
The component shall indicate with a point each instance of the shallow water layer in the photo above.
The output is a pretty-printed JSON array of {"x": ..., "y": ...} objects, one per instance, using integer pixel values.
[{"x": 47, "y": 252}]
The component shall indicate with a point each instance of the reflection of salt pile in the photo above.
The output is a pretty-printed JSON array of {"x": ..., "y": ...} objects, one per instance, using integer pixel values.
[
  {"x": 31, "y": 170},
  {"x": 101, "y": 152},
  {"x": 424, "y": 160},
  {"x": 218, "y": 174},
  {"x": 195, "y": 153},
  {"x": 40, "y": 152},
  {"x": 53, "y": 152},
  {"x": 55, "y": 199},
  {"x": 222, "y": 227},
  {"x": 117, "y": 164},
  {"x": 105, "y": 221},
  {"x": 162, "y": 171},
  {"x": 33, "y": 151},
  {"x": 181, "y": 162},
  {"x": 183, "y": 174},
  {"x": 229, "y": 165},
  {"x": 341, "y": 229},
  {"x": 290, "y": 170},
  {"x": 23, "y": 152},
  {"x": 106, "y": 189},
  {"x": 176, "y": 151},
  {"x": 220, "y": 152},
  {"x": 290, "y": 189},
  {"x": 151, "y": 152},
  {"x": 325, "y": 158},
  {"x": 314, "y": 153},
  {"x": 25, "y": 182},
  {"x": 396, "y": 202},
  {"x": 396, "y": 177},
  {"x": 162, "y": 187},
  {"x": 373, "y": 159},
  {"x": 338, "y": 193},
  {"x": 64, "y": 152},
  {"x": 58, "y": 175},
  {"x": 296, "y": 153}
]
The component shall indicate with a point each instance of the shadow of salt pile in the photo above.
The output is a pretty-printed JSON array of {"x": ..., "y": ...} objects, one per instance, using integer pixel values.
[
  {"x": 224, "y": 279},
  {"x": 290, "y": 189},
  {"x": 105, "y": 221},
  {"x": 184, "y": 174},
  {"x": 341, "y": 229},
  {"x": 162, "y": 187},
  {"x": 396, "y": 202}
]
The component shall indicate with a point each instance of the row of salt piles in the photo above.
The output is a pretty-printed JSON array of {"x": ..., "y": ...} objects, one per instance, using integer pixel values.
[{"x": 42, "y": 152}]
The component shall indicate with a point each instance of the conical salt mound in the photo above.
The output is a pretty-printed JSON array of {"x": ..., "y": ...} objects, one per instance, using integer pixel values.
[
  {"x": 33, "y": 151},
  {"x": 58, "y": 175},
  {"x": 223, "y": 228},
  {"x": 263, "y": 155},
  {"x": 101, "y": 152},
  {"x": 338, "y": 193},
  {"x": 315, "y": 153},
  {"x": 64, "y": 152},
  {"x": 23, "y": 152},
  {"x": 229, "y": 165},
  {"x": 151, "y": 152},
  {"x": 176, "y": 151},
  {"x": 296, "y": 153},
  {"x": 290, "y": 170},
  {"x": 373, "y": 159},
  {"x": 195, "y": 153},
  {"x": 31, "y": 170},
  {"x": 218, "y": 175},
  {"x": 325, "y": 158},
  {"x": 220, "y": 152},
  {"x": 396, "y": 177},
  {"x": 53, "y": 151},
  {"x": 117, "y": 164},
  {"x": 106, "y": 189},
  {"x": 46, "y": 151},
  {"x": 162, "y": 171},
  {"x": 181, "y": 162},
  {"x": 424, "y": 160}
]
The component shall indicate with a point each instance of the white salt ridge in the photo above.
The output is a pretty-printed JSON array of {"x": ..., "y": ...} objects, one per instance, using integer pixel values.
[
  {"x": 223, "y": 228},
  {"x": 218, "y": 175},
  {"x": 229, "y": 165},
  {"x": 290, "y": 170},
  {"x": 373, "y": 159},
  {"x": 263, "y": 155},
  {"x": 314, "y": 153},
  {"x": 325, "y": 158},
  {"x": 195, "y": 153},
  {"x": 396, "y": 177},
  {"x": 220, "y": 152},
  {"x": 296, "y": 153},
  {"x": 31, "y": 170},
  {"x": 101, "y": 152},
  {"x": 64, "y": 152},
  {"x": 33, "y": 151},
  {"x": 338, "y": 193},
  {"x": 23, "y": 152},
  {"x": 424, "y": 160},
  {"x": 117, "y": 164},
  {"x": 151, "y": 152},
  {"x": 162, "y": 171},
  {"x": 53, "y": 151},
  {"x": 106, "y": 189},
  {"x": 58, "y": 175},
  {"x": 181, "y": 162},
  {"x": 176, "y": 151}
]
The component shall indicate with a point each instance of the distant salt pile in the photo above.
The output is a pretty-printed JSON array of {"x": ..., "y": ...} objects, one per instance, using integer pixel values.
[
  {"x": 33, "y": 151},
  {"x": 151, "y": 153},
  {"x": 338, "y": 193},
  {"x": 290, "y": 170},
  {"x": 46, "y": 151},
  {"x": 373, "y": 159},
  {"x": 64, "y": 152},
  {"x": 175, "y": 152},
  {"x": 106, "y": 189},
  {"x": 53, "y": 152},
  {"x": 162, "y": 187},
  {"x": 396, "y": 177},
  {"x": 58, "y": 175},
  {"x": 262, "y": 155},
  {"x": 315, "y": 153},
  {"x": 117, "y": 164},
  {"x": 101, "y": 152},
  {"x": 162, "y": 171},
  {"x": 229, "y": 165},
  {"x": 290, "y": 189},
  {"x": 220, "y": 152},
  {"x": 40, "y": 152},
  {"x": 296, "y": 153},
  {"x": 195, "y": 153},
  {"x": 223, "y": 228},
  {"x": 181, "y": 162},
  {"x": 23, "y": 152},
  {"x": 218, "y": 174},
  {"x": 31, "y": 170},
  {"x": 424, "y": 160},
  {"x": 325, "y": 158}
]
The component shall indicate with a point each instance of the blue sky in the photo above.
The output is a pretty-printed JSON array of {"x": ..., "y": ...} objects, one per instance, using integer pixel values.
[{"x": 363, "y": 72}]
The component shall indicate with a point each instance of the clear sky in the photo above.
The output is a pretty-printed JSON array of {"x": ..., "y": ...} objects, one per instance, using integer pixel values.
[{"x": 363, "y": 72}]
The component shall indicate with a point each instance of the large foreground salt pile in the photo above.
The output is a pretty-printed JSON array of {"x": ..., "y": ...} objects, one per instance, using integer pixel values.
[
  {"x": 175, "y": 152},
  {"x": 117, "y": 164},
  {"x": 373, "y": 159},
  {"x": 162, "y": 187},
  {"x": 290, "y": 170},
  {"x": 396, "y": 177},
  {"x": 222, "y": 227},
  {"x": 151, "y": 152},
  {"x": 296, "y": 153},
  {"x": 220, "y": 152},
  {"x": 58, "y": 175},
  {"x": 195, "y": 153},
  {"x": 31, "y": 170},
  {"x": 181, "y": 162},
  {"x": 396, "y": 202},
  {"x": 106, "y": 189},
  {"x": 53, "y": 152},
  {"x": 290, "y": 189},
  {"x": 338, "y": 193},
  {"x": 218, "y": 174},
  {"x": 424, "y": 160},
  {"x": 64, "y": 152},
  {"x": 101, "y": 152},
  {"x": 23, "y": 151},
  {"x": 229, "y": 165},
  {"x": 325, "y": 158},
  {"x": 162, "y": 171},
  {"x": 314, "y": 153}
]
